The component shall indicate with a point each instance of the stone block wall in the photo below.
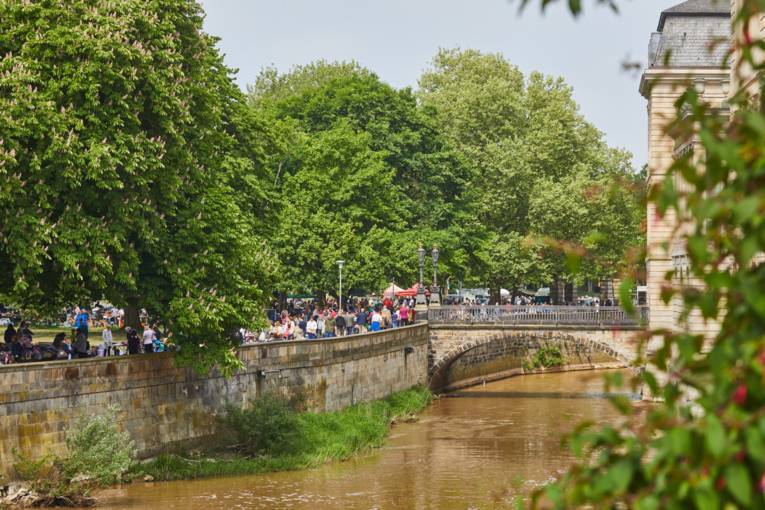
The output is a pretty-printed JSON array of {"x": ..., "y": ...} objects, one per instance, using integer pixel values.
[
  {"x": 163, "y": 406},
  {"x": 462, "y": 355}
]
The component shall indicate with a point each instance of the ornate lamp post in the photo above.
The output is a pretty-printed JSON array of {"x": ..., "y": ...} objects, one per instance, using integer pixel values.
[
  {"x": 340, "y": 264},
  {"x": 435, "y": 292},
  {"x": 422, "y": 302}
]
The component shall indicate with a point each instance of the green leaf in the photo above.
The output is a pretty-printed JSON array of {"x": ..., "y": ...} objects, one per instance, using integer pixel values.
[
  {"x": 755, "y": 447},
  {"x": 680, "y": 441},
  {"x": 621, "y": 474},
  {"x": 649, "y": 502},
  {"x": 746, "y": 208},
  {"x": 738, "y": 483},
  {"x": 705, "y": 498},
  {"x": 625, "y": 294},
  {"x": 714, "y": 436}
]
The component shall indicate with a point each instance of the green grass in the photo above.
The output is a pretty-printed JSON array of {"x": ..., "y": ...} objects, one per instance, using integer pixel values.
[
  {"x": 320, "y": 438},
  {"x": 45, "y": 334}
]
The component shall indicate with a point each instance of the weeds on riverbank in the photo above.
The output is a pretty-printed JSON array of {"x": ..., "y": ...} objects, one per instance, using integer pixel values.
[
  {"x": 312, "y": 439},
  {"x": 97, "y": 454}
]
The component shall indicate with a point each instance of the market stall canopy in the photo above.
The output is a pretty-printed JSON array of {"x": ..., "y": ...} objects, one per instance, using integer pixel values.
[
  {"x": 411, "y": 291},
  {"x": 392, "y": 290}
]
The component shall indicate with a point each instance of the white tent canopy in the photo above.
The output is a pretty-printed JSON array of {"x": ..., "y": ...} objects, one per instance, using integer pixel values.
[{"x": 390, "y": 291}]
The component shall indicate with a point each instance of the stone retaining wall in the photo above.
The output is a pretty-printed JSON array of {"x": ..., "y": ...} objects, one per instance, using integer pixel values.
[{"x": 163, "y": 406}]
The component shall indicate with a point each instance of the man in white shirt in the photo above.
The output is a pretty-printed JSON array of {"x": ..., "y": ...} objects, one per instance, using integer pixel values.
[
  {"x": 312, "y": 327},
  {"x": 148, "y": 339}
]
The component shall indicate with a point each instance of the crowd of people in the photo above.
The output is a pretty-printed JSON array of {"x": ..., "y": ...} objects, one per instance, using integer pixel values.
[
  {"x": 20, "y": 346},
  {"x": 300, "y": 320}
]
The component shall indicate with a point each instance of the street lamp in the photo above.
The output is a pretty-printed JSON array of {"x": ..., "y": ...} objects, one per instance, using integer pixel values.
[
  {"x": 421, "y": 302},
  {"x": 435, "y": 293},
  {"x": 340, "y": 264},
  {"x": 421, "y": 257},
  {"x": 434, "y": 254}
]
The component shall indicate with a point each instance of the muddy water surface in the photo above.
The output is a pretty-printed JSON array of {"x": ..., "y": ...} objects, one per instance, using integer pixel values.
[{"x": 476, "y": 449}]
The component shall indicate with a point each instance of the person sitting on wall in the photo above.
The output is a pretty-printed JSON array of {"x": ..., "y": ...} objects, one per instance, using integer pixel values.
[{"x": 17, "y": 351}]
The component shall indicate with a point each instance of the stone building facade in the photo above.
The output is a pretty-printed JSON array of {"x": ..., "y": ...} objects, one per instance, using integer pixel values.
[
  {"x": 688, "y": 49},
  {"x": 743, "y": 77}
]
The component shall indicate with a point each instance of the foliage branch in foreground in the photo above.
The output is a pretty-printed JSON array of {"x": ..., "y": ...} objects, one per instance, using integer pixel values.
[{"x": 703, "y": 445}]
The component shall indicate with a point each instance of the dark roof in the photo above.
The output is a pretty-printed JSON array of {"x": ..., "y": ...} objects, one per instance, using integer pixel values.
[{"x": 696, "y": 8}]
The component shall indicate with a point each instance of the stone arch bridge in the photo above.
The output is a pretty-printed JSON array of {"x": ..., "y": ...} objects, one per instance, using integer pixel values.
[{"x": 463, "y": 353}]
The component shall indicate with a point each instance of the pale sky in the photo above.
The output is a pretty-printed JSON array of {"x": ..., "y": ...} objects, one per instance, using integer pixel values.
[{"x": 397, "y": 38}]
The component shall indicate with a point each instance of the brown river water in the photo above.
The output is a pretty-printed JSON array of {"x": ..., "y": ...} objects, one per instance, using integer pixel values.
[{"x": 476, "y": 449}]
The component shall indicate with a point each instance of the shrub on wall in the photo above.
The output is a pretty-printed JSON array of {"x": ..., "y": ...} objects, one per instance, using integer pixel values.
[{"x": 545, "y": 357}]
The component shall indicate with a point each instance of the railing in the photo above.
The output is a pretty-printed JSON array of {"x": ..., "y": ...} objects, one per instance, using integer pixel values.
[{"x": 532, "y": 315}]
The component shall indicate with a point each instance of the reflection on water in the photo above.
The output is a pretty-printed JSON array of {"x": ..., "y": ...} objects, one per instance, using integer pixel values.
[{"x": 475, "y": 451}]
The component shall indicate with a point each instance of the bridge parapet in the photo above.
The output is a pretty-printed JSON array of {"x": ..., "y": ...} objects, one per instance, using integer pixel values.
[{"x": 540, "y": 315}]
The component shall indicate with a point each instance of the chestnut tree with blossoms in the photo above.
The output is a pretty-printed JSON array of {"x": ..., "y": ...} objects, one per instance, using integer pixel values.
[{"x": 129, "y": 169}]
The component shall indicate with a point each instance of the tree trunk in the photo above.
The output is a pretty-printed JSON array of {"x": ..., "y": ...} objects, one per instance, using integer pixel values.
[{"x": 132, "y": 316}]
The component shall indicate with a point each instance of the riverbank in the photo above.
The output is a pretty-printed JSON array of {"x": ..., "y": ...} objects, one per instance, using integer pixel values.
[{"x": 318, "y": 438}]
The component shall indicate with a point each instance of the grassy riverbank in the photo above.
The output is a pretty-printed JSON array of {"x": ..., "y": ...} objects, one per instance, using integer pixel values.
[{"x": 318, "y": 438}]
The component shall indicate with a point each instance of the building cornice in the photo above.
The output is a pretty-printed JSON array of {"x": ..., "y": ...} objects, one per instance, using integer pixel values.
[{"x": 680, "y": 75}]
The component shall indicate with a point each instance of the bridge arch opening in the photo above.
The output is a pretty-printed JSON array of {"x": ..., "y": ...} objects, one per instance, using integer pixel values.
[{"x": 500, "y": 354}]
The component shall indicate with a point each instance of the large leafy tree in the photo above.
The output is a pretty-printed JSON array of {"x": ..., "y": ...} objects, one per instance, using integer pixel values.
[
  {"x": 539, "y": 168},
  {"x": 364, "y": 175},
  {"x": 125, "y": 152}
]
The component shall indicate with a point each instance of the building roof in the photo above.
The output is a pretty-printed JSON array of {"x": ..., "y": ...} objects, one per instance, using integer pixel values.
[
  {"x": 696, "y": 8},
  {"x": 692, "y": 34}
]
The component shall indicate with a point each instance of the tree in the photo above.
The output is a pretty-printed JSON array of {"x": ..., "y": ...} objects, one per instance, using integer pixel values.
[
  {"x": 124, "y": 145},
  {"x": 528, "y": 145},
  {"x": 365, "y": 175}
]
